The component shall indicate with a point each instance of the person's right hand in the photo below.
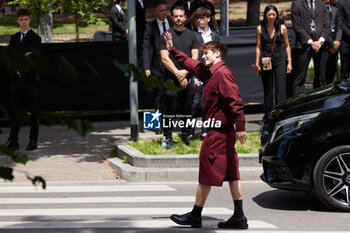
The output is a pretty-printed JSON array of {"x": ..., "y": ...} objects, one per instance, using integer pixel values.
[
  {"x": 168, "y": 41},
  {"x": 147, "y": 73}
]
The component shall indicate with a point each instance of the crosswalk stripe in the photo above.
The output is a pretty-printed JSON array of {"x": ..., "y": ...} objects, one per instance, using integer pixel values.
[
  {"x": 66, "y": 189},
  {"x": 135, "y": 199},
  {"x": 228, "y": 231},
  {"x": 108, "y": 211},
  {"x": 117, "y": 224}
]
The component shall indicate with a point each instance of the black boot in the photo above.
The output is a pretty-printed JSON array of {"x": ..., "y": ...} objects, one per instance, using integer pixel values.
[
  {"x": 33, "y": 145},
  {"x": 187, "y": 219},
  {"x": 12, "y": 145}
]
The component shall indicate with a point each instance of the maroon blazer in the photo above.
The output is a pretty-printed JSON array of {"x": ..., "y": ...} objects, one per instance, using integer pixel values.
[{"x": 221, "y": 98}]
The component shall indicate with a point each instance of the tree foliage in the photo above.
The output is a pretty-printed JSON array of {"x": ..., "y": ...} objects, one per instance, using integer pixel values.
[
  {"x": 86, "y": 9},
  {"x": 42, "y": 10}
]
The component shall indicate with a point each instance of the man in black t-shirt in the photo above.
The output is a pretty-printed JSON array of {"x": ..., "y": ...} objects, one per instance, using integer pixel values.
[{"x": 178, "y": 102}]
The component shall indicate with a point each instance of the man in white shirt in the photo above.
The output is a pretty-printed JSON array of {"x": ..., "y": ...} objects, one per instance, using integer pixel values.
[{"x": 203, "y": 16}]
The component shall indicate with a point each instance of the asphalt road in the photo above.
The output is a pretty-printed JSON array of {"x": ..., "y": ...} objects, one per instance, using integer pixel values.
[{"x": 114, "y": 206}]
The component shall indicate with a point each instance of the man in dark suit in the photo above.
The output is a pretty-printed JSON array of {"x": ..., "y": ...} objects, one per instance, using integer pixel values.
[
  {"x": 311, "y": 24},
  {"x": 24, "y": 87},
  {"x": 151, "y": 45},
  {"x": 344, "y": 10},
  {"x": 119, "y": 21},
  {"x": 140, "y": 19},
  {"x": 332, "y": 42}
]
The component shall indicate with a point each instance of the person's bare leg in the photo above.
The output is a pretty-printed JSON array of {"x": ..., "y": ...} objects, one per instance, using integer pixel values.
[
  {"x": 236, "y": 189},
  {"x": 202, "y": 194}
]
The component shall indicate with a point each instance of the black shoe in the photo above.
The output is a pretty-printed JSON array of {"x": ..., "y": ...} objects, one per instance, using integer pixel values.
[
  {"x": 169, "y": 143},
  {"x": 202, "y": 136},
  {"x": 234, "y": 223},
  {"x": 12, "y": 145},
  {"x": 187, "y": 140},
  {"x": 187, "y": 219},
  {"x": 33, "y": 145},
  {"x": 158, "y": 131}
]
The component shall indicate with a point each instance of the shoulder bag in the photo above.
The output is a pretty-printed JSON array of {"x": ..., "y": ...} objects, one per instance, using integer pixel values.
[{"x": 266, "y": 61}]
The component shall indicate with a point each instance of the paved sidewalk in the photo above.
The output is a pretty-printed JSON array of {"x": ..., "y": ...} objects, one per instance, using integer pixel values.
[{"x": 65, "y": 156}]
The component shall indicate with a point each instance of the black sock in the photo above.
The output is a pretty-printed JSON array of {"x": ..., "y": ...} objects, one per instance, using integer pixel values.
[
  {"x": 196, "y": 211},
  {"x": 238, "y": 209}
]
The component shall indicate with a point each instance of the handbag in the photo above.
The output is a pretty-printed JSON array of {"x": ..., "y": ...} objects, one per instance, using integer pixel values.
[{"x": 266, "y": 61}]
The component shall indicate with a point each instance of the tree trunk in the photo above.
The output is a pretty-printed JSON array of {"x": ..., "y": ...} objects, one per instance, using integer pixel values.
[
  {"x": 110, "y": 5},
  {"x": 76, "y": 19},
  {"x": 45, "y": 25},
  {"x": 253, "y": 12}
]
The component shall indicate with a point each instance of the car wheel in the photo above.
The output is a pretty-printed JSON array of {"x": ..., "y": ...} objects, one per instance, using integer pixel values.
[{"x": 332, "y": 178}]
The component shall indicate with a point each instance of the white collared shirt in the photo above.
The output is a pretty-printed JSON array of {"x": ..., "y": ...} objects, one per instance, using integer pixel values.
[
  {"x": 206, "y": 36},
  {"x": 141, "y": 2},
  {"x": 160, "y": 25},
  {"x": 119, "y": 9},
  {"x": 25, "y": 33}
]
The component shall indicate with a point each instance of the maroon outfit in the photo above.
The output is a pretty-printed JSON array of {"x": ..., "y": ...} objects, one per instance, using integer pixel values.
[{"x": 221, "y": 100}]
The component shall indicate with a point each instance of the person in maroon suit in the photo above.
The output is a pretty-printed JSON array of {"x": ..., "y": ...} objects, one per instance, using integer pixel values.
[{"x": 218, "y": 157}]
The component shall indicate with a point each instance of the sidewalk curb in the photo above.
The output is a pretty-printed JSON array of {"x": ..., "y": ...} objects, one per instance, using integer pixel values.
[{"x": 153, "y": 168}]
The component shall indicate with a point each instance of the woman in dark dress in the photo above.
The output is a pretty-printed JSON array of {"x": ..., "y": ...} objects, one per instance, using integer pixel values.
[{"x": 271, "y": 34}]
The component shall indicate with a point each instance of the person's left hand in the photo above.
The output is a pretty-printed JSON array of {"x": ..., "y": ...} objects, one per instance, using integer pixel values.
[
  {"x": 241, "y": 136},
  {"x": 289, "y": 68},
  {"x": 184, "y": 83},
  {"x": 336, "y": 45},
  {"x": 181, "y": 74}
]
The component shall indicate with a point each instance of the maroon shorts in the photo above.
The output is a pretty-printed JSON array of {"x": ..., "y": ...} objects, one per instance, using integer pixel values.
[{"x": 218, "y": 160}]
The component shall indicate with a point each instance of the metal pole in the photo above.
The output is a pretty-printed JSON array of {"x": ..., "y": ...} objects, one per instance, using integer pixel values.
[
  {"x": 134, "y": 116},
  {"x": 224, "y": 30}
]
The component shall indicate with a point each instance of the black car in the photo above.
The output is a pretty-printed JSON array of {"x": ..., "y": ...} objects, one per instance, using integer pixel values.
[{"x": 306, "y": 145}]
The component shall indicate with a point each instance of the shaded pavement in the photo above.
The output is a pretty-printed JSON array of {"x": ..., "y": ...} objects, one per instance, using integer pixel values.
[{"x": 63, "y": 155}]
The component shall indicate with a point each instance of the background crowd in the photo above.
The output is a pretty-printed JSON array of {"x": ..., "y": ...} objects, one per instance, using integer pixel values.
[{"x": 321, "y": 29}]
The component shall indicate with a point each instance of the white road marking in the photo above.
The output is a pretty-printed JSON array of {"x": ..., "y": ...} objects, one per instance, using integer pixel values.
[
  {"x": 65, "y": 200},
  {"x": 253, "y": 224},
  {"x": 109, "y": 211},
  {"x": 77, "y": 189}
]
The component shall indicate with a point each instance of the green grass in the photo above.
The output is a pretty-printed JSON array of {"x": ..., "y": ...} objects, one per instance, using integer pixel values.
[
  {"x": 9, "y": 26},
  {"x": 154, "y": 147},
  {"x": 310, "y": 74}
]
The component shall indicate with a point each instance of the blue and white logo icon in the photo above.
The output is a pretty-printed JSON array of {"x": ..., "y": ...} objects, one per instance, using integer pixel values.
[{"x": 151, "y": 120}]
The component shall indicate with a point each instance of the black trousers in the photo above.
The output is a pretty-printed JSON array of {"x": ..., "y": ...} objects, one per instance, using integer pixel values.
[
  {"x": 197, "y": 106},
  {"x": 300, "y": 65},
  {"x": 178, "y": 103},
  {"x": 24, "y": 98},
  {"x": 331, "y": 63},
  {"x": 345, "y": 57},
  {"x": 274, "y": 81}
]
